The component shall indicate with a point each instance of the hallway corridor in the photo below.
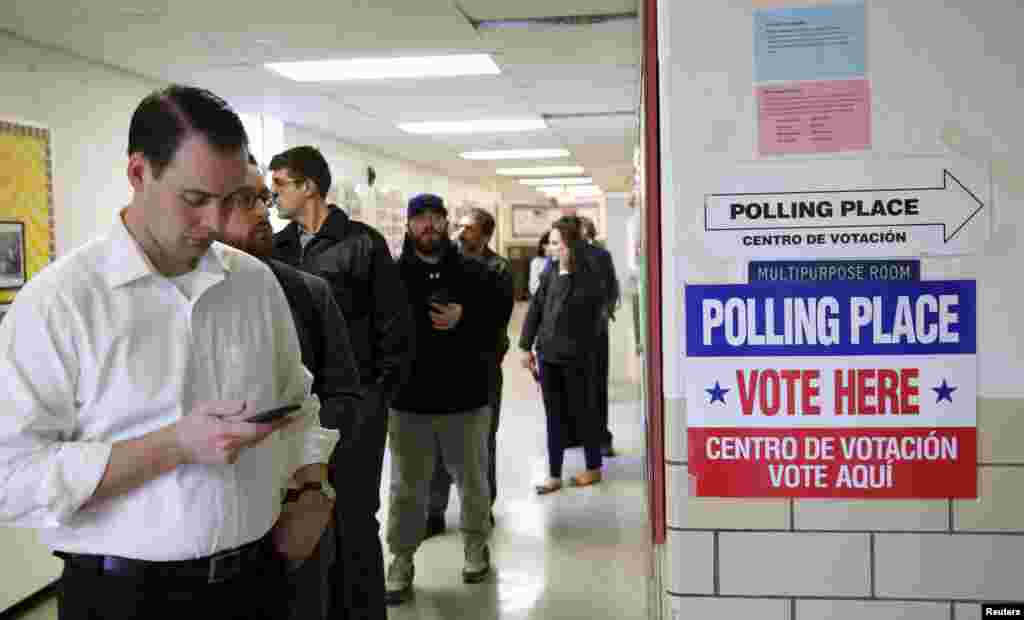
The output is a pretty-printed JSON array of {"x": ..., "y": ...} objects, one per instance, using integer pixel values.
[{"x": 578, "y": 553}]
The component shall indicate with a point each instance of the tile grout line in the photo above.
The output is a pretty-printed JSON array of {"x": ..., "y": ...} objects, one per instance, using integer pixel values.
[
  {"x": 716, "y": 581},
  {"x": 871, "y": 565}
]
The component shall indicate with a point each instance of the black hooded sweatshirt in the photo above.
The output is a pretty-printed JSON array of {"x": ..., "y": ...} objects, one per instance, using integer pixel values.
[{"x": 450, "y": 368}]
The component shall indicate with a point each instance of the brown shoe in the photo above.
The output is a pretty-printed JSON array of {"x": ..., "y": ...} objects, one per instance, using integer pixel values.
[
  {"x": 587, "y": 478},
  {"x": 550, "y": 486}
]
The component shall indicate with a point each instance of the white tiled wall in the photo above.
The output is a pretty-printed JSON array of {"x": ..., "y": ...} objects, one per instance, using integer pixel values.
[
  {"x": 870, "y": 610},
  {"x": 912, "y": 559},
  {"x": 793, "y": 564},
  {"x": 949, "y": 566}
]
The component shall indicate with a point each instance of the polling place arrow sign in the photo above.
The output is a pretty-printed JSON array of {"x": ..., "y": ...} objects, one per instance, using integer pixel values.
[{"x": 858, "y": 215}]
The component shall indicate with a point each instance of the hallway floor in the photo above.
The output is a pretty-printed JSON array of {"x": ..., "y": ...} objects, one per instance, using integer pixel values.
[{"x": 577, "y": 553}]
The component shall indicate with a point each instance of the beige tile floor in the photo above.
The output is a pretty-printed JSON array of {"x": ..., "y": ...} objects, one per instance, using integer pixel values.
[{"x": 578, "y": 553}]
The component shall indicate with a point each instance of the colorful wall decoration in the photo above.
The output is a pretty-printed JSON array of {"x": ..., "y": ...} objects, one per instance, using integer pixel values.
[{"x": 26, "y": 195}]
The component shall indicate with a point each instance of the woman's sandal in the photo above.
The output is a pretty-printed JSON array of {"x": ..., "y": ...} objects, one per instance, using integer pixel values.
[
  {"x": 550, "y": 486},
  {"x": 587, "y": 478}
]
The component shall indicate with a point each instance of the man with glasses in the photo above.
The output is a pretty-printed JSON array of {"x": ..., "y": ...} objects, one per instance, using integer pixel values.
[
  {"x": 457, "y": 314},
  {"x": 327, "y": 354},
  {"x": 355, "y": 260},
  {"x": 473, "y": 234}
]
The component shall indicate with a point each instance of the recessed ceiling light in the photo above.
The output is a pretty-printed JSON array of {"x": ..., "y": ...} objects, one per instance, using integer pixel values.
[
  {"x": 540, "y": 170},
  {"x": 563, "y": 181},
  {"x": 386, "y": 68},
  {"x": 477, "y": 126},
  {"x": 578, "y": 191},
  {"x": 516, "y": 154}
]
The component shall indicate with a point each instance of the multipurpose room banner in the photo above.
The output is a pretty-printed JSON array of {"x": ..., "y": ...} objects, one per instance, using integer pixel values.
[{"x": 838, "y": 389}]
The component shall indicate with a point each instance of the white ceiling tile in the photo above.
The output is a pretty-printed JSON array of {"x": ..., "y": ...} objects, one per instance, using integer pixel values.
[
  {"x": 503, "y": 9},
  {"x": 578, "y": 70}
]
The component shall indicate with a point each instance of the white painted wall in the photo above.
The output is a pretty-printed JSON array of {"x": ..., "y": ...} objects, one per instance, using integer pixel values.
[
  {"x": 87, "y": 108},
  {"x": 945, "y": 79}
]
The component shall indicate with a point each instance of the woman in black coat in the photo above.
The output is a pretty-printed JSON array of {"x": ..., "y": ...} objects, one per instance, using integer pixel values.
[{"x": 563, "y": 321}]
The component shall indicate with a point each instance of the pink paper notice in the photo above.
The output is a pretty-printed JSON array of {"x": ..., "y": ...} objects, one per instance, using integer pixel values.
[{"x": 814, "y": 117}]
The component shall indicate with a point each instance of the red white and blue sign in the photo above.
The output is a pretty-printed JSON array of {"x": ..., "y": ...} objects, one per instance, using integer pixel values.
[{"x": 832, "y": 389}]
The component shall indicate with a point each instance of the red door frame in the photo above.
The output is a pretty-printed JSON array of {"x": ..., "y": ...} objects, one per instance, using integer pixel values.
[{"x": 652, "y": 238}]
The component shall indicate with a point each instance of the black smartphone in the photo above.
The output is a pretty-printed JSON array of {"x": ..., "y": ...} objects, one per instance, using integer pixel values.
[
  {"x": 272, "y": 414},
  {"x": 439, "y": 296}
]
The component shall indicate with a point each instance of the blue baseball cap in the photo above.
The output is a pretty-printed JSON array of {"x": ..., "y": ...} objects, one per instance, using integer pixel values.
[{"x": 426, "y": 202}]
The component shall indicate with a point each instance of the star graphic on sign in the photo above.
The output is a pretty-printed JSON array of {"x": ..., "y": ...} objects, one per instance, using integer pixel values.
[
  {"x": 717, "y": 393},
  {"x": 944, "y": 391}
]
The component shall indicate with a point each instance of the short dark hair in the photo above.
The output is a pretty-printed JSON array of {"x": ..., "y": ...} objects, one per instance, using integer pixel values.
[
  {"x": 485, "y": 219},
  {"x": 305, "y": 162},
  {"x": 589, "y": 229},
  {"x": 165, "y": 117},
  {"x": 542, "y": 244},
  {"x": 569, "y": 229}
]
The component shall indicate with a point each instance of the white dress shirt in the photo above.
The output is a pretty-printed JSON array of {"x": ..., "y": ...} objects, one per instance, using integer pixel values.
[{"x": 99, "y": 348}]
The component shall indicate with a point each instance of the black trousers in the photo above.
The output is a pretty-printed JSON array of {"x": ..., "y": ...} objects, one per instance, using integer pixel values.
[
  {"x": 441, "y": 481},
  {"x": 357, "y": 577},
  {"x": 84, "y": 594},
  {"x": 600, "y": 384},
  {"x": 565, "y": 397}
]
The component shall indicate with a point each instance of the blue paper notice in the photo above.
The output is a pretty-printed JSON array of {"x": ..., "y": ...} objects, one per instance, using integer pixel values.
[{"x": 809, "y": 43}]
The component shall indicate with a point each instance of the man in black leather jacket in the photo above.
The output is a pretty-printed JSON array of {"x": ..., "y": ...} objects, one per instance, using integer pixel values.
[
  {"x": 327, "y": 354},
  {"x": 355, "y": 260}
]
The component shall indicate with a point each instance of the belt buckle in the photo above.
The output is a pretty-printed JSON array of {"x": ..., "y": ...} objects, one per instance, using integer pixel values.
[{"x": 215, "y": 561}]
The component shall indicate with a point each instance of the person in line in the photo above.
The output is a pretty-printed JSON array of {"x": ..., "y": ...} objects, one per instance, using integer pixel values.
[
  {"x": 606, "y": 270},
  {"x": 128, "y": 369},
  {"x": 354, "y": 259},
  {"x": 563, "y": 323},
  {"x": 326, "y": 352},
  {"x": 473, "y": 234},
  {"x": 539, "y": 263},
  {"x": 457, "y": 313}
]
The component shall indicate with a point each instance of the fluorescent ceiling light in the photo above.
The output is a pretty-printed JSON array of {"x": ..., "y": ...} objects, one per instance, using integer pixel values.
[
  {"x": 564, "y": 181},
  {"x": 478, "y": 126},
  {"x": 516, "y": 154},
  {"x": 572, "y": 190},
  {"x": 539, "y": 171},
  {"x": 386, "y": 68}
]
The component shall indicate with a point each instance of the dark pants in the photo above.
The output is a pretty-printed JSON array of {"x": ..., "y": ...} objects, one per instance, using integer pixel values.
[
  {"x": 600, "y": 384},
  {"x": 84, "y": 594},
  {"x": 357, "y": 577},
  {"x": 441, "y": 482},
  {"x": 565, "y": 398}
]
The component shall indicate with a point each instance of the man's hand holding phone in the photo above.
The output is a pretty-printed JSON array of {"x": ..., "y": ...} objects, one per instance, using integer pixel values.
[
  {"x": 445, "y": 316},
  {"x": 216, "y": 432}
]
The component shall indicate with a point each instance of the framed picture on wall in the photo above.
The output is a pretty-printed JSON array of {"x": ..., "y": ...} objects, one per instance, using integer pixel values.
[
  {"x": 531, "y": 222},
  {"x": 12, "y": 255}
]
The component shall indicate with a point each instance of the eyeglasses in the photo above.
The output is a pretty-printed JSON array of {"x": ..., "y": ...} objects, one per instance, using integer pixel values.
[{"x": 247, "y": 201}]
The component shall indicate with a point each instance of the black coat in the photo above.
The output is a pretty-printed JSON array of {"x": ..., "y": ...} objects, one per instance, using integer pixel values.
[
  {"x": 326, "y": 350},
  {"x": 355, "y": 260},
  {"x": 451, "y": 370},
  {"x": 565, "y": 324}
]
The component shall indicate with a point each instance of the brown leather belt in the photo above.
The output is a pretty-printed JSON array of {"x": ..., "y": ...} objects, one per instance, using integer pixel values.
[{"x": 215, "y": 568}]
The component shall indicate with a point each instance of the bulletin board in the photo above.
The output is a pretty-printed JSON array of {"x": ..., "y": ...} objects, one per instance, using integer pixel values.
[{"x": 26, "y": 204}]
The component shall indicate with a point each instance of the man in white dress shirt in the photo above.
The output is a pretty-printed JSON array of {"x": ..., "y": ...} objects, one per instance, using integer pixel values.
[{"x": 127, "y": 369}]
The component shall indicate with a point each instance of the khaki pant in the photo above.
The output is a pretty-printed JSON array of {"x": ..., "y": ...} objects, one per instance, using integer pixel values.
[{"x": 414, "y": 439}]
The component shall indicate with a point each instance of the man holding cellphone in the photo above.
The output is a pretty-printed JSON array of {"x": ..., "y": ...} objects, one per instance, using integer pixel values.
[
  {"x": 457, "y": 313},
  {"x": 327, "y": 353},
  {"x": 127, "y": 370}
]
